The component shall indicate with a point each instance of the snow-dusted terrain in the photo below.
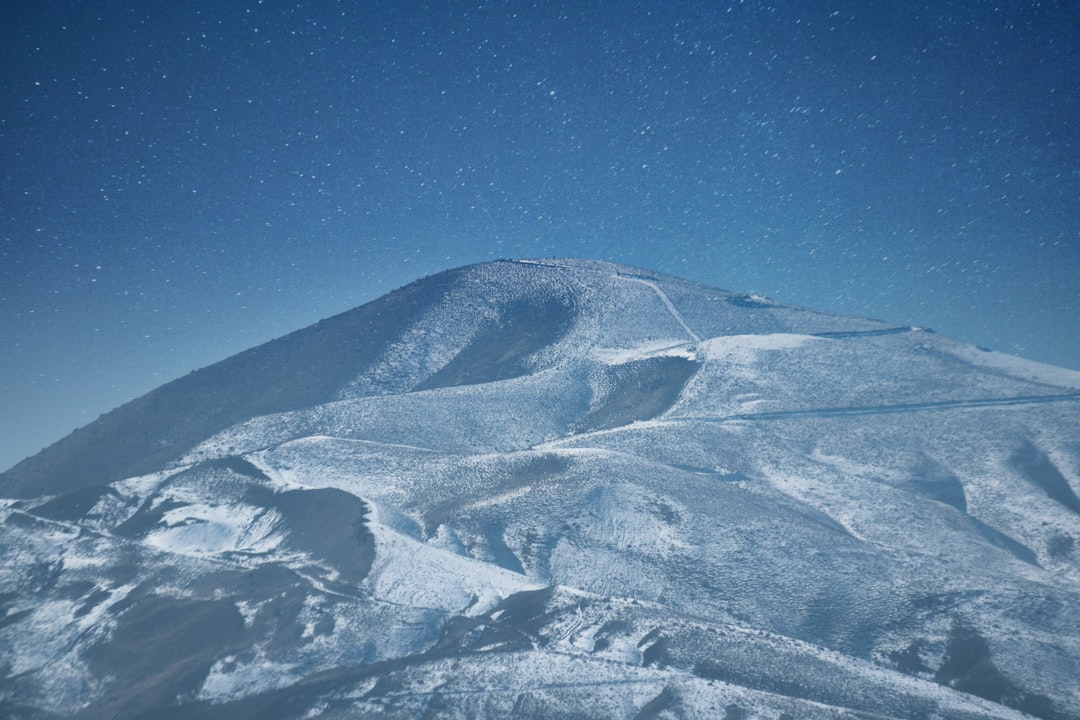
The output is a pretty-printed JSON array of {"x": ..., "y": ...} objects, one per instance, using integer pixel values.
[{"x": 559, "y": 489}]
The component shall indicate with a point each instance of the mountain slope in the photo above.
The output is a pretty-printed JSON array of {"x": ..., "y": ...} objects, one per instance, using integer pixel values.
[{"x": 559, "y": 489}]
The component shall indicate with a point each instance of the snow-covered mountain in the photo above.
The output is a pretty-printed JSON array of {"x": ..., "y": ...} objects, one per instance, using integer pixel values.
[{"x": 559, "y": 489}]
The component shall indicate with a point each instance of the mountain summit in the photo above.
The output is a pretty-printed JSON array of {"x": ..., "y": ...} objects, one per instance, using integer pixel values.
[{"x": 559, "y": 489}]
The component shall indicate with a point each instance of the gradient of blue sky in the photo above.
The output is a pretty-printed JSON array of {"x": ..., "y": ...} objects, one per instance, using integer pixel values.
[{"x": 180, "y": 182}]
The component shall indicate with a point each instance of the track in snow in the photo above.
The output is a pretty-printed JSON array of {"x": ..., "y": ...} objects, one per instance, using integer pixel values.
[
  {"x": 884, "y": 409},
  {"x": 674, "y": 312}
]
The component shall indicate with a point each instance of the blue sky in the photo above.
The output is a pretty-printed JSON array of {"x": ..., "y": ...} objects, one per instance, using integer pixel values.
[{"x": 181, "y": 183}]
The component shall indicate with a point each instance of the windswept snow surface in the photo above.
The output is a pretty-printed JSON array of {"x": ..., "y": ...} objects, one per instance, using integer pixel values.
[{"x": 564, "y": 488}]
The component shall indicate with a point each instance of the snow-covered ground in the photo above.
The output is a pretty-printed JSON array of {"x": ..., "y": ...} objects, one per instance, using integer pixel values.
[{"x": 783, "y": 513}]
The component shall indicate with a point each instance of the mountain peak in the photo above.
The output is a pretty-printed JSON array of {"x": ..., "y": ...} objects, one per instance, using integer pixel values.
[
  {"x": 555, "y": 488},
  {"x": 517, "y": 307}
]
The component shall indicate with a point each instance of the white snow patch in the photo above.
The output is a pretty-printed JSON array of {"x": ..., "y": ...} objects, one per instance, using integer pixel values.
[
  {"x": 415, "y": 574},
  {"x": 74, "y": 561},
  {"x": 281, "y": 479},
  {"x": 248, "y": 610},
  {"x": 228, "y": 679},
  {"x": 1019, "y": 367},
  {"x": 644, "y": 351},
  {"x": 447, "y": 540},
  {"x": 46, "y": 637},
  {"x": 142, "y": 486},
  {"x": 485, "y": 602},
  {"x": 740, "y": 347},
  {"x": 499, "y": 499},
  {"x": 209, "y": 529}
]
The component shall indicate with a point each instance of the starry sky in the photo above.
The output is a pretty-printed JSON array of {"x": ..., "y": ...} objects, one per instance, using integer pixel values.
[{"x": 182, "y": 181}]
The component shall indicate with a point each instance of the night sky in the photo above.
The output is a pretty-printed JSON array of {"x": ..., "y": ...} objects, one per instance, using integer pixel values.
[{"x": 181, "y": 181}]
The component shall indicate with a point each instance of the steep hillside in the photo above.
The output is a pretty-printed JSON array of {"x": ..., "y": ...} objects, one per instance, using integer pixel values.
[{"x": 559, "y": 488}]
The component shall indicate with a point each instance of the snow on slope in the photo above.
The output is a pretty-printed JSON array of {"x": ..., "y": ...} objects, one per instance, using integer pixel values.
[{"x": 570, "y": 486}]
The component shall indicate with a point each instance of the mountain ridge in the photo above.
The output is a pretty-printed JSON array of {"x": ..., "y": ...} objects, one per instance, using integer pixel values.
[
  {"x": 561, "y": 488},
  {"x": 362, "y": 325}
]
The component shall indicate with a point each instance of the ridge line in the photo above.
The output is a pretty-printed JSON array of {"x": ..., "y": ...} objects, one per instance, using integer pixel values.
[{"x": 883, "y": 409}]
